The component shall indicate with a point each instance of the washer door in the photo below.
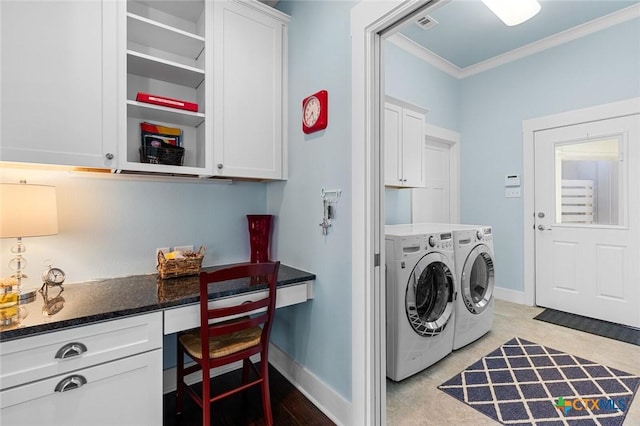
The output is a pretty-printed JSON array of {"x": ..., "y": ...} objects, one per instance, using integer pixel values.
[
  {"x": 477, "y": 279},
  {"x": 429, "y": 295}
]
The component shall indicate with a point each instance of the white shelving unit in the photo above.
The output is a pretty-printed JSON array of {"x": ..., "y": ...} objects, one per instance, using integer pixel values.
[{"x": 167, "y": 55}]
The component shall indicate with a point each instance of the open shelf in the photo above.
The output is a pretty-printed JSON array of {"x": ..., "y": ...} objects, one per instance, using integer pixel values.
[
  {"x": 160, "y": 69},
  {"x": 159, "y": 113},
  {"x": 147, "y": 32}
]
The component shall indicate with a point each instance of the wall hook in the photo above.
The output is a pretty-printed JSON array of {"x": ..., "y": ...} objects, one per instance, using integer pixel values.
[{"x": 330, "y": 198}]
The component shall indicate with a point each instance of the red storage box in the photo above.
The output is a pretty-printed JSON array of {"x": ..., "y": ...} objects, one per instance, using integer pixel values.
[{"x": 167, "y": 102}]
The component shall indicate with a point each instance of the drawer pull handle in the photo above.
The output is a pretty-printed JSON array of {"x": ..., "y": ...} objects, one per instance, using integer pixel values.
[
  {"x": 70, "y": 350},
  {"x": 71, "y": 383}
]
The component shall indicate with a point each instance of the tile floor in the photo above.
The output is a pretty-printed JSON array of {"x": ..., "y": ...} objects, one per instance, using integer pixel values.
[{"x": 417, "y": 400}]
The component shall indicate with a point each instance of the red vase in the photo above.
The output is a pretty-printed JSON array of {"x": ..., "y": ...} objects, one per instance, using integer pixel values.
[{"x": 260, "y": 236}]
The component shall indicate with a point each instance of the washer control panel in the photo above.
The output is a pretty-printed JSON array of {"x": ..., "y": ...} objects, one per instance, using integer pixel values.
[
  {"x": 484, "y": 234},
  {"x": 440, "y": 241}
]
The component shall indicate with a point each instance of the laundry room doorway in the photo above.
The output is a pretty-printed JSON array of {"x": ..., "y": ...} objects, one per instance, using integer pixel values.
[{"x": 586, "y": 224}]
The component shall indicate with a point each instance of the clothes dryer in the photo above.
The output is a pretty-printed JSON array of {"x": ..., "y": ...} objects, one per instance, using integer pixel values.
[
  {"x": 420, "y": 296},
  {"x": 474, "y": 261}
]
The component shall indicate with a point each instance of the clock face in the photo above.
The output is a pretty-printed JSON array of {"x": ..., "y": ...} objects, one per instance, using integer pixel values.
[
  {"x": 54, "y": 276},
  {"x": 311, "y": 111}
]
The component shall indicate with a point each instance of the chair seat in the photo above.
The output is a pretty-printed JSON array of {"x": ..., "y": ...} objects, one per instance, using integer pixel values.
[{"x": 220, "y": 346}]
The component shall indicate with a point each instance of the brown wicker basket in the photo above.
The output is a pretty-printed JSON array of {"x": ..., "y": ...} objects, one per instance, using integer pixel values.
[{"x": 189, "y": 265}]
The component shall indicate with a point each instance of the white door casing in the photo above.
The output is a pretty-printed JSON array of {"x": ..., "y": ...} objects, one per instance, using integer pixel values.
[
  {"x": 584, "y": 115},
  {"x": 586, "y": 241},
  {"x": 368, "y": 19}
]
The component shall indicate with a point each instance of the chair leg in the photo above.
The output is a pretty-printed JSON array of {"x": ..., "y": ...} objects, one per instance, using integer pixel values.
[
  {"x": 246, "y": 365},
  {"x": 266, "y": 396},
  {"x": 179, "y": 382},
  {"x": 206, "y": 396}
]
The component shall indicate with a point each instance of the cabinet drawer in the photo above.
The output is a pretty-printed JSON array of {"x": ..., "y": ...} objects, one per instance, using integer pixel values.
[
  {"x": 187, "y": 317},
  {"x": 38, "y": 357},
  {"x": 127, "y": 391}
]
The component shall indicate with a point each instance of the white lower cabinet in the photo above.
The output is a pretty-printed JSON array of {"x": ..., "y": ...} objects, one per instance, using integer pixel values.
[
  {"x": 125, "y": 392},
  {"x": 100, "y": 374}
]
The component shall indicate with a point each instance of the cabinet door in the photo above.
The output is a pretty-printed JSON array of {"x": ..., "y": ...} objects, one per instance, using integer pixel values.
[
  {"x": 412, "y": 148},
  {"x": 59, "y": 81},
  {"x": 392, "y": 145},
  {"x": 126, "y": 392},
  {"x": 249, "y": 52}
]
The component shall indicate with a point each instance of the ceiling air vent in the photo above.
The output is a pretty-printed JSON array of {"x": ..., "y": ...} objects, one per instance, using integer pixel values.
[{"x": 425, "y": 22}]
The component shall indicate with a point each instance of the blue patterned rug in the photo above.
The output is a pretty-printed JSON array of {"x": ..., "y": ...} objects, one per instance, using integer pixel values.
[{"x": 523, "y": 383}]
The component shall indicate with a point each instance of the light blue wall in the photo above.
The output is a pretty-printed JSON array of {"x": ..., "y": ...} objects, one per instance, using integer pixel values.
[
  {"x": 317, "y": 334},
  {"x": 413, "y": 80},
  {"x": 600, "y": 68}
]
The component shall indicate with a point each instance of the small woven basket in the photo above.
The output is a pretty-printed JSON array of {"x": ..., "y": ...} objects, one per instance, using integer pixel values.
[{"x": 189, "y": 265}]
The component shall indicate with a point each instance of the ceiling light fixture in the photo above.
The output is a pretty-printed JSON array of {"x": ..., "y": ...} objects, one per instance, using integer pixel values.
[{"x": 513, "y": 12}]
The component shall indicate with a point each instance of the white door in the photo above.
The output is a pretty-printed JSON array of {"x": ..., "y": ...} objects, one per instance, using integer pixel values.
[
  {"x": 587, "y": 237},
  {"x": 432, "y": 203}
]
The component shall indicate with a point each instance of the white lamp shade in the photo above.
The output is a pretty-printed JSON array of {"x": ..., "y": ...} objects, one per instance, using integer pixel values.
[
  {"x": 513, "y": 12},
  {"x": 27, "y": 210}
]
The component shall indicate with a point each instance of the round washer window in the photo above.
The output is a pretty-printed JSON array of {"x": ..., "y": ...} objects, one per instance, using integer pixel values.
[
  {"x": 429, "y": 296},
  {"x": 478, "y": 279}
]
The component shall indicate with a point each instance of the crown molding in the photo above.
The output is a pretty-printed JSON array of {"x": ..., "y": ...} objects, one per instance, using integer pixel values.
[
  {"x": 413, "y": 48},
  {"x": 607, "y": 21}
]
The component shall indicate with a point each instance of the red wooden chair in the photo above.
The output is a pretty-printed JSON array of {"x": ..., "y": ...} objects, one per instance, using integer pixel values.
[{"x": 233, "y": 335}]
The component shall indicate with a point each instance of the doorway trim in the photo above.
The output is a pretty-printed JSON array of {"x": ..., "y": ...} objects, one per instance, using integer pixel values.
[
  {"x": 368, "y": 19},
  {"x": 600, "y": 112}
]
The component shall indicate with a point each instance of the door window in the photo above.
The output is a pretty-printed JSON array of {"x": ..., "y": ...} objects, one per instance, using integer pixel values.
[{"x": 588, "y": 182}]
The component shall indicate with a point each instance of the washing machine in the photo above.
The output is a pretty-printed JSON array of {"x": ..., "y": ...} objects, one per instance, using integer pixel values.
[
  {"x": 474, "y": 276},
  {"x": 420, "y": 296},
  {"x": 474, "y": 263}
]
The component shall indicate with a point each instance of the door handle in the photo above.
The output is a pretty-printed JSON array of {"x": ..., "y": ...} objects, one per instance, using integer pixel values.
[{"x": 543, "y": 228}]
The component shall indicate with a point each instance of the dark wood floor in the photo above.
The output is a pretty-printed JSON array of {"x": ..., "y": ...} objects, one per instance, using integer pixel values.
[{"x": 290, "y": 407}]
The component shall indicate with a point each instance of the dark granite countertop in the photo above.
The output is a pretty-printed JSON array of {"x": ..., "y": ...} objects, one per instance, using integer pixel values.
[{"x": 84, "y": 303}]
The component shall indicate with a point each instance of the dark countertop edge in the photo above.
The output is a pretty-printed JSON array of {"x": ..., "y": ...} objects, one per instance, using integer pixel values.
[{"x": 35, "y": 330}]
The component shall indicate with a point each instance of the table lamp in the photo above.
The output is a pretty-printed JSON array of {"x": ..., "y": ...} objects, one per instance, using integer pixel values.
[{"x": 26, "y": 211}]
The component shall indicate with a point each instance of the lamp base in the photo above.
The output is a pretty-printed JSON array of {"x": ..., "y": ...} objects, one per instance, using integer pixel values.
[{"x": 27, "y": 296}]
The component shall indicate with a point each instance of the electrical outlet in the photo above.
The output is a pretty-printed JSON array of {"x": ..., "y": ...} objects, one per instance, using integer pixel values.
[
  {"x": 183, "y": 248},
  {"x": 165, "y": 250},
  {"x": 512, "y": 192}
]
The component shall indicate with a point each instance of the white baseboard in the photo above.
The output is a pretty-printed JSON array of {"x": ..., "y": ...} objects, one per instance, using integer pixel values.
[
  {"x": 509, "y": 295},
  {"x": 315, "y": 390},
  {"x": 332, "y": 404}
]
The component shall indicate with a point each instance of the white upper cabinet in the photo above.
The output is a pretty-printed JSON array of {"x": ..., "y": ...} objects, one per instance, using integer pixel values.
[
  {"x": 404, "y": 144},
  {"x": 250, "y": 90},
  {"x": 58, "y": 102},
  {"x": 166, "y": 53}
]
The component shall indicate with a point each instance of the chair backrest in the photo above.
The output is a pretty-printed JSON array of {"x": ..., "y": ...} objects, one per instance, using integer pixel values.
[{"x": 253, "y": 274}]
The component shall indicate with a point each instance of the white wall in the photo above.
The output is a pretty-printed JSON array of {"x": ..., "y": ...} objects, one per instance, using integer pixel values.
[{"x": 111, "y": 227}]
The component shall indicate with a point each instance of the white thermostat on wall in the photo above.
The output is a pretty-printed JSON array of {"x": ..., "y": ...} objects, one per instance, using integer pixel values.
[{"x": 512, "y": 180}]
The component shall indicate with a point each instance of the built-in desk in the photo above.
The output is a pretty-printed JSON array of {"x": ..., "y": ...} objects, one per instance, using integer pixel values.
[
  {"x": 85, "y": 303},
  {"x": 103, "y": 340}
]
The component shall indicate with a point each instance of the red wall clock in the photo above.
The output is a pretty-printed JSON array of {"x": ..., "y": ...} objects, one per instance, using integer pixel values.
[{"x": 314, "y": 112}]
